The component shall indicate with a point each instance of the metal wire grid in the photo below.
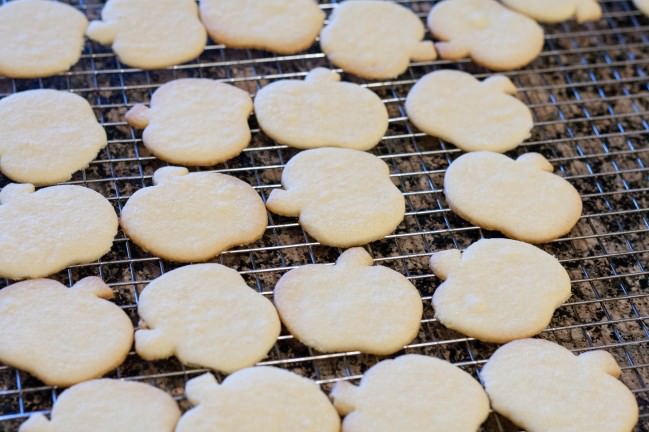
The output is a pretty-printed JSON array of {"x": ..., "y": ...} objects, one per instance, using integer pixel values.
[{"x": 588, "y": 94}]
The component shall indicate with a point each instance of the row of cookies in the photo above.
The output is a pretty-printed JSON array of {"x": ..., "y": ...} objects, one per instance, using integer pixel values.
[
  {"x": 303, "y": 114},
  {"x": 80, "y": 337},
  {"x": 411, "y": 392},
  {"x": 287, "y": 204},
  {"x": 370, "y": 38},
  {"x": 207, "y": 316},
  {"x": 319, "y": 111}
]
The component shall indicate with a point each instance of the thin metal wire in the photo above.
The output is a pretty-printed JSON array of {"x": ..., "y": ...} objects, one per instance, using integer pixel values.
[{"x": 588, "y": 92}]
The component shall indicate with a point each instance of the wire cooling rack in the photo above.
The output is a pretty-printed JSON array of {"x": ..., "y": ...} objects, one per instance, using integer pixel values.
[{"x": 588, "y": 94}]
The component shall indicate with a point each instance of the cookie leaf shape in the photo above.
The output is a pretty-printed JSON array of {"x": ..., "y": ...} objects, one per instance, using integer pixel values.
[
  {"x": 47, "y": 135},
  {"x": 150, "y": 34},
  {"x": 542, "y": 386},
  {"x": 187, "y": 217},
  {"x": 83, "y": 336},
  {"x": 281, "y": 26},
  {"x": 343, "y": 197},
  {"x": 412, "y": 393},
  {"x": 108, "y": 405},
  {"x": 375, "y": 39},
  {"x": 321, "y": 112},
  {"x": 521, "y": 198},
  {"x": 194, "y": 121},
  {"x": 48, "y": 230},
  {"x": 498, "y": 290},
  {"x": 492, "y": 35},
  {"x": 554, "y": 11},
  {"x": 351, "y": 306},
  {"x": 39, "y": 38},
  {"x": 471, "y": 114},
  {"x": 258, "y": 399},
  {"x": 206, "y": 315}
]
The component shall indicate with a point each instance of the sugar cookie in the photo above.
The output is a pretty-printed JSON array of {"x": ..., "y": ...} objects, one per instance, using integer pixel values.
[
  {"x": 187, "y": 217},
  {"x": 486, "y": 31},
  {"x": 520, "y": 198},
  {"x": 554, "y": 11},
  {"x": 542, "y": 386},
  {"x": 206, "y": 315},
  {"x": 375, "y": 39},
  {"x": 47, "y": 135},
  {"x": 281, "y": 26},
  {"x": 498, "y": 290},
  {"x": 62, "y": 335},
  {"x": 194, "y": 121},
  {"x": 52, "y": 228},
  {"x": 39, "y": 38},
  {"x": 321, "y": 111},
  {"x": 412, "y": 393},
  {"x": 150, "y": 34},
  {"x": 343, "y": 197},
  {"x": 472, "y": 115},
  {"x": 108, "y": 405},
  {"x": 352, "y": 306},
  {"x": 642, "y": 5},
  {"x": 258, "y": 399}
]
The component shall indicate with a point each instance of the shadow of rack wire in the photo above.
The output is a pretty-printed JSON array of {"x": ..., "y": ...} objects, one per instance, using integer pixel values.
[{"x": 588, "y": 94}]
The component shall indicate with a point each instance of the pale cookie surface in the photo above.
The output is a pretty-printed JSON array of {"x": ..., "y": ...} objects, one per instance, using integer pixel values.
[
  {"x": 642, "y": 5},
  {"x": 520, "y": 198},
  {"x": 321, "y": 111},
  {"x": 281, "y": 26},
  {"x": 486, "y": 31},
  {"x": 343, "y": 197},
  {"x": 62, "y": 335},
  {"x": 554, "y": 11},
  {"x": 47, "y": 135},
  {"x": 498, "y": 290},
  {"x": 39, "y": 38},
  {"x": 375, "y": 39},
  {"x": 150, "y": 34},
  {"x": 194, "y": 121},
  {"x": 258, "y": 399},
  {"x": 351, "y": 306},
  {"x": 207, "y": 316},
  {"x": 542, "y": 386},
  {"x": 473, "y": 115},
  {"x": 187, "y": 217},
  {"x": 412, "y": 393},
  {"x": 108, "y": 405},
  {"x": 52, "y": 228}
]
